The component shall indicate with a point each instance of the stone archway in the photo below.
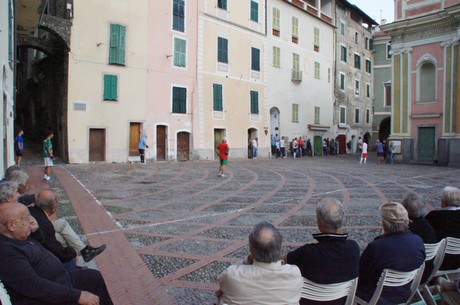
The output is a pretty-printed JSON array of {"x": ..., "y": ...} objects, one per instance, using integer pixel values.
[
  {"x": 385, "y": 129},
  {"x": 275, "y": 121}
]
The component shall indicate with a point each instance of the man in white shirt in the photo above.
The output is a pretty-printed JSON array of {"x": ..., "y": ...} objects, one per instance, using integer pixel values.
[
  {"x": 363, "y": 153},
  {"x": 267, "y": 280}
]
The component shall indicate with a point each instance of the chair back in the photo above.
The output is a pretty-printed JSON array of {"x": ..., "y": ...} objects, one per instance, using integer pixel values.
[
  {"x": 329, "y": 292},
  {"x": 452, "y": 247},
  {"x": 435, "y": 251},
  {"x": 393, "y": 278},
  {"x": 4, "y": 296}
]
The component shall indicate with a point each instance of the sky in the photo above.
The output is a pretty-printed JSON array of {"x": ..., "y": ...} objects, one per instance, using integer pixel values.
[{"x": 376, "y": 9}]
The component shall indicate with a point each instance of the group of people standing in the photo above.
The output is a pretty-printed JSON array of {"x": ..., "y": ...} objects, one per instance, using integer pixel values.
[{"x": 297, "y": 147}]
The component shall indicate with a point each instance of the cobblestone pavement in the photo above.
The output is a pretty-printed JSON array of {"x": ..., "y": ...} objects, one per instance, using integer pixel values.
[{"x": 172, "y": 228}]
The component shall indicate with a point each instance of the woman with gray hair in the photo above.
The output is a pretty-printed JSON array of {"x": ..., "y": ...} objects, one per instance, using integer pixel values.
[{"x": 417, "y": 222}]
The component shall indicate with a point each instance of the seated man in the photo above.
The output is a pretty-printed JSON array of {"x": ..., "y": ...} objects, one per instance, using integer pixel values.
[
  {"x": 267, "y": 281},
  {"x": 32, "y": 275},
  {"x": 333, "y": 259},
  {"x": 446, "y": 222},
  {"x": 44, "y": 208},
  {"x": 396, "y": 249},
  {"x": 8, "y": 192},
  {"x": 20, "y": 177}
]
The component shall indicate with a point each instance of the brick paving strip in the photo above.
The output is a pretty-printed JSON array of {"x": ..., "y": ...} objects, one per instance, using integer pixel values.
[{"x": 127, "y": 277}]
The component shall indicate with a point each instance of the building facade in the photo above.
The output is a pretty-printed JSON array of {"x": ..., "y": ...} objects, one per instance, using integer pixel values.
[
  {"x": 425, "y": 80},
  {"x": 354, "y": 71}
]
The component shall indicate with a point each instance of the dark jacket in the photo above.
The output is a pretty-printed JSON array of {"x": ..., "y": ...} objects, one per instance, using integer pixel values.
[{"x": 46, "y": 236}]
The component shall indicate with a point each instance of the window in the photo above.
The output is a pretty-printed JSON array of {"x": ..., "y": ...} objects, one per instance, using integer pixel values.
[
  {"x": 10, "y": 31},
  {"x": 317, "y": 70},
  {"x": 368, "y": 90},
  {"x": 276, "y": 57},
  {"x": 117, "y": 44},
  {"x": 368, "y": 116},
  {"x": 276, "y": 22},
  {"x": 368, "y": 66},
  {"x": 110, "y": 87},
  {"x": 295, "y": 62},
  {"x": 342, "y": 81},
  {"x": 357, "y": 87},
  {"x": 328, "y": 75},
  {"x": 316, "y": 39},
  {"x": 388, "y": 51},
  {"x": 343, "y": 115},
  {"x": 357, "y": 61},
  {"x": 317, "y": 115},
  {"x": 343, "y": 53},
  {"x": 426, "y": 83},
  {"x": 179, "y": 100},
  {"x": 255, "y": 59},
  {"x": 356, "y": 37},
  {"x": 179, "y": 52},
  {"x": 342, "y": 28},
  {"x": 367, "y": 43},
  {"x": 295, "y": 113},
  {"x": 222, "y": 50},
  {"x": 357, "y": 115},
  {"x": 217, "y": 97},
  {"x": 254, "y": 11},
  {"x": 387, "y": 94},
  {"x": 254, "y": 102},
  {"x": 295, "y": 30},
  {"x": 222, "y": 4},
  {"x": 178, "y": 15}
]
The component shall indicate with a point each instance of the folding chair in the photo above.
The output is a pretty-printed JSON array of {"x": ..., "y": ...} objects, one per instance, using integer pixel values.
[
  {"x": 436, "y": 252},
  {"x": 453, "y": 248},
  {"x": 393, "y": 278},
  {"x": 4, "y": 296},
  {"x": 329, "y": 292}
]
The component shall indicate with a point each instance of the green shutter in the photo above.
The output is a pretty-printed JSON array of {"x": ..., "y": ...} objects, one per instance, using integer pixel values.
[
  {"x": 255, "y": 56},
  {"x": 179, "y": 100},
  {"x": 217, "y": 97},
  {"x": 110, "y": 87},
  {"x": 179, "y": 52},
  {"x": 122, "y": 46},
  {"x": 117, "y": 44},
  {"x": 114, "y": 88},
  {"x": 222, "y": 50},
  {"x": 254, "y": 11},
  {"x": 254, "y": 102}
]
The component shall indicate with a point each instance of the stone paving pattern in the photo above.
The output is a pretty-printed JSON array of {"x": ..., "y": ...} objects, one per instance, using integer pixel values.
[{"x": 172, "y": 228}]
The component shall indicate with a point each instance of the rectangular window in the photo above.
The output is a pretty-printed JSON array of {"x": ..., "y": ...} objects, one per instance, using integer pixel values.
[
  {"x": 343, "y": 53},
  {"x": 295, "y": 113},
  {"x": 222, "y": 4},
  {"x": 217, "y": 97},
  {"x": 222, "y": 50},
  {"x": 117, "y": 44},
  {"x": 254, "y": 102},
  {"x": 295, "y": 62},
  {"x": 342, "y": 81},
  {"x": 368, "y": 90},
  {"x": 357, "y": 61},
  {"x": 254, "y": 11},
  {"x": 387, "y": 93},
  {"x": 179, "y": 52},
  {"x": 388, "y": 51},
  {"x": 356, "y": 37},
  {"x": 356, "y": 115},
  {"x": 328, "y": 75},
  {"x": 295, "y": 29},
  {"x": 342, "y": 28},
  {"x": 368, "y": 66},
  {"x": 357, "y": 87},
  {"x": 255, "y": 59},
  {"x": 317, "y": 115},
  {"x": 367, "y": 43},
  {"x": 179, "y": 100},
  {"x": 343, "y": 115},
  {"x": 317, "y": 70},
  {"x": 316, "y": 39},
  {"x": 276, "y": 22},
  {"x": 178, "y": 15},
  {"x": 276, "y": 57},
  {"x": 110, "y": 87},
  {"x": 368, "y": 116}
]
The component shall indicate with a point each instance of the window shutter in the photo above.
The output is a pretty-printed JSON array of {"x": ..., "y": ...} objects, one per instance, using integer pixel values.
[
  {"x": 217, "y": 97},
  {"x": 255, "y": 64},
  {"x": 114, "y": 32},
  {"x": 122, "y": 47},
  {"x": 114, "y": 87},
  {"x": 254, "y": 11}
]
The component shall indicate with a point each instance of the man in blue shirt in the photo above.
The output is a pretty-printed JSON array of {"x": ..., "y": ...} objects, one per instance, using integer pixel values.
[
  {"x": 19, "y": 147},
  {"x": 142, "y": 146}
]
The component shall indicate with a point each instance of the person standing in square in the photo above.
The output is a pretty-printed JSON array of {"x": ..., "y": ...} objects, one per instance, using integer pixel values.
[{"x": 222, "y": 150}]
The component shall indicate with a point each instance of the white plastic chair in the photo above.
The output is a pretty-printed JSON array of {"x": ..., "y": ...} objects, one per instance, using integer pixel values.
[
  {"x": 4, "y": 296},
  {"x": 436, "y": 252},
  {"x": 329, "y": 292},
  {"x": 393, "y": 278},
  {"x": 452, "y": 247}
]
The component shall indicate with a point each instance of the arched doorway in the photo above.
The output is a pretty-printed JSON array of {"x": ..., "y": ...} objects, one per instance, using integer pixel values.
[
  {"x": 385, "y": 129},
  {"x": 367, "y": 137},
  {"x": 252, "y": 134},
  {"x": 275, "y": 121}
]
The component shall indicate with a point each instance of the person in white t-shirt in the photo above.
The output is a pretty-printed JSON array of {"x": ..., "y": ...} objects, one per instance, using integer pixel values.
[{"x": 363, "y": 153}]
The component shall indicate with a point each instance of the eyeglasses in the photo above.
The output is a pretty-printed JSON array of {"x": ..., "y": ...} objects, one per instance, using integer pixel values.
[{"x": 23, "y": 219}]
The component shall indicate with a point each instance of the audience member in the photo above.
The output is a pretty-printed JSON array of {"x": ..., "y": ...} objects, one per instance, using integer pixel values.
[
  {"x": 333, "y": 259},
  {"x": 8, "y": 192},
  {"x": 266, "y": 281},
  {"x": 20, "y": 177},
  {"x": 396, "y": 249},
  {"x": 446, "y": 222},
  {"x": 32, "y": 275},
  {"x": 46, "y": 206}
]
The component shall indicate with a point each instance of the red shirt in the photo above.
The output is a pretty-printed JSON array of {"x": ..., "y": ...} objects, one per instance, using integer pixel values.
[{"x": 223, "y": 150}]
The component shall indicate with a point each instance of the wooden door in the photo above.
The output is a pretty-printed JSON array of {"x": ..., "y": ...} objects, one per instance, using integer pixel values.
[
  {"x": 342, "y": 144},
  {"x": 218, "y": 135},
  {"x": 426, "y": 144},
  {"x": 134, "y": 138},
  {"x": 96, "y": 144},
  {"x": 183, "y": 146},
  {"x": 161, "y": 143},
  {"x": 318, "y": 145}
]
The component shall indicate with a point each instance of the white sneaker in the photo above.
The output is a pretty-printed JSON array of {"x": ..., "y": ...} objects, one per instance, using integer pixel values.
[{"x": 223, "y": 175}]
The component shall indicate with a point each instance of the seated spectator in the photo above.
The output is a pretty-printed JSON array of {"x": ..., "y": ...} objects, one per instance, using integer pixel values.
[
  {"x": 333, "y": 259},
  {"x": 446, "y": 222},
  {"x": 396, "y": 249},
  {"x": 419, "y": 225},
  {"x": 20, "y": 177},
  {"x": 46, "y": 206},
  {"x": 8, "y": 192},
  {"x": 266, "y": 281},
  {"x": 450, "y": 291},
  {"x": 9, "y": 170},
  {"x": 32, "y": 275}
]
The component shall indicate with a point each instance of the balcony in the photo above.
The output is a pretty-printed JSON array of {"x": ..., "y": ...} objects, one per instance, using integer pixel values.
[{"x": 296, "y": 75}]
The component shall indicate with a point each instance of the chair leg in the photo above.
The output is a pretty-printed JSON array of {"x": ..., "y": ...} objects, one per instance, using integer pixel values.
[{"x": 428, "y": 296}]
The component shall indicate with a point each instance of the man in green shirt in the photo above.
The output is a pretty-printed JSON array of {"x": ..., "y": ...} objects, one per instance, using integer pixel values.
[{"x": 48, "y": 156}]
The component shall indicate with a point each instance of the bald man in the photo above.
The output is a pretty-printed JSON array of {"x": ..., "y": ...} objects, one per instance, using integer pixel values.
[{"x": 32, "y": 275}]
